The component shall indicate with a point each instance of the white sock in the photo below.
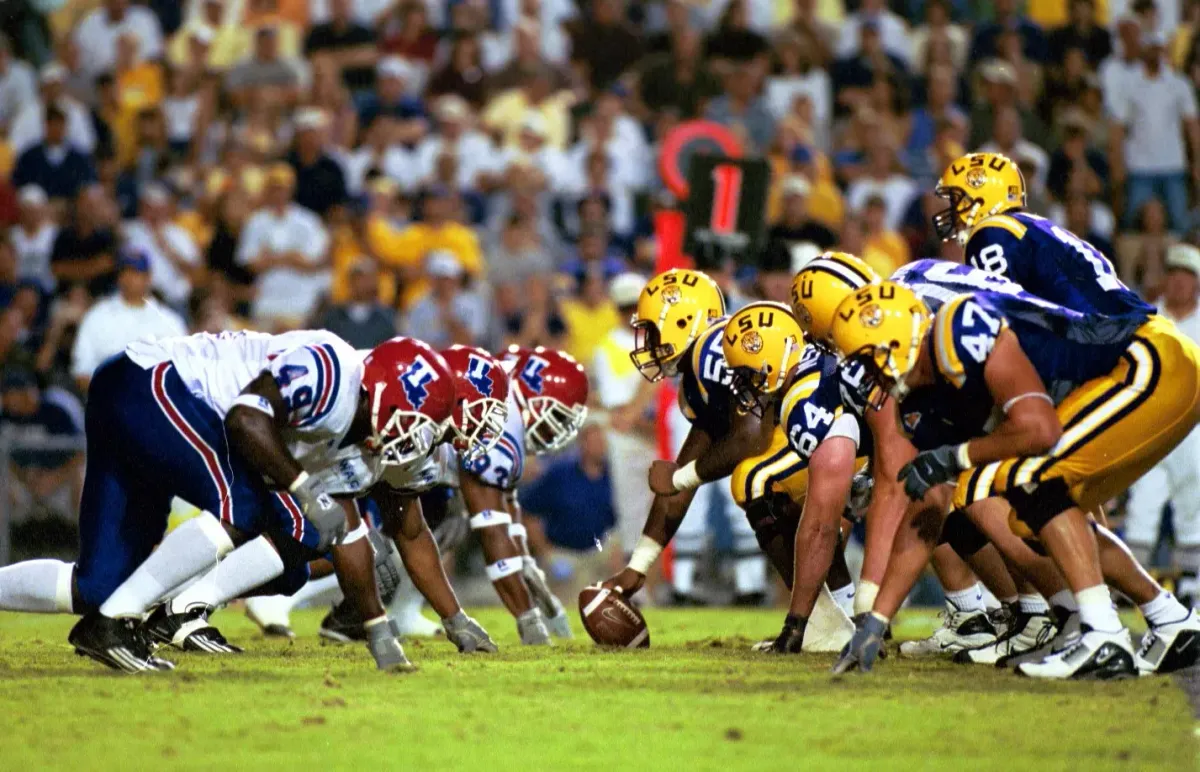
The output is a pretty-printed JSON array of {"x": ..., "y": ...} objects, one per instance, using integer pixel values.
[
  {"x": 970, "y": 599},
  {"x": 750, "y": 574},
  {"x": 1163, "y": 610},
  {"x": 1064, "y": 599},
  {"x": 990, "y": 601},
  {"x": 254, "y": 563},
  {"x": 844, "y": 597},
  {"x": 188, "y": 550},
  {"x": 1096, "y": 609},
  {"x": 864, "y": 599},
  {"x": 1033, "y": 604},
  {"x": 318, "y": 592},
  {"x": 1011, "y": 600},
  {"x": 43, "y": 586},
  {"x": 683, "y": 575}
]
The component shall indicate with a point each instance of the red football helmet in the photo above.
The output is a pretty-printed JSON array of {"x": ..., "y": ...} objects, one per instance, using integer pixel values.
[
  {"x": 481, "y": 404},
  {"x": 552, "y": 390},
  {"x": 411, "y": 393}
]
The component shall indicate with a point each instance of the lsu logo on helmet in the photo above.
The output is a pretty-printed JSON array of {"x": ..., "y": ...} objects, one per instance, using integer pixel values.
[
  {"x": 415, "y": 380},
  {"x": 531, "y": 373},
  {"x": 479, "y": 373}
]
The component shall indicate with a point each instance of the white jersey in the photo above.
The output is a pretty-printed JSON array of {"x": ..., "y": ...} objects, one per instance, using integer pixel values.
[
  {"x": 318, "y": 374},
  {"x": 504, "y": 464},
  {"x": 353, "y": 472}
]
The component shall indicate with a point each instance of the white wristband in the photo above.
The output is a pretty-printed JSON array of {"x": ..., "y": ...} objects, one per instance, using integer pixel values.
[
  {"x": 644, "y": 554},
  {"x": 686, "y": 478},
  {"x": 963, "y": 457},
  {"x": 300, "y": 479}
]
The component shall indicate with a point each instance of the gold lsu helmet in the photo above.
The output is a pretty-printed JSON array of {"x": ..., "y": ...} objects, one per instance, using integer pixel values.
[
  {"x": 977, "y": 186},
  {"x": 882, "y": 327},
  {"x": 673, "y": 309},
  {"x": 822, "y": 284},
  {"x": 761, "y": 344}
]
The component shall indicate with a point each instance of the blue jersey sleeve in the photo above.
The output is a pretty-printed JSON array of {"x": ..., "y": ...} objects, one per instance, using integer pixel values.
[
  {"x": 997, "y": 247},
  {"x": 309, "y": 378},
  {"x": 964, "y": 332},
  {"x": 704, "y": 395}
]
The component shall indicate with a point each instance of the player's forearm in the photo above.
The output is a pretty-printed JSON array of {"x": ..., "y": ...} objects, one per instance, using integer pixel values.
[
  {"x": 255, "y": 436},
  {"x": 816, "y": 541},
  {"x": 1025, "y": 434},
  {"x": 355, "y": 566},
  {"x": 423, "y": 562},
  {"x": 666, "y": 515},
  {"x": 750, "y": 437}
]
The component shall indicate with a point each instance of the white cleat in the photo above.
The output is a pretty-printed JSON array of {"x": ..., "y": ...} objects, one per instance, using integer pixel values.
[
  {"x": 960, "y": 630},
  {"x": 1170, "y": 647},
  {"x": 414, "y": 624},
  {"x": 1035, "y": 630},
  {"x": 1097, "y": 655}
]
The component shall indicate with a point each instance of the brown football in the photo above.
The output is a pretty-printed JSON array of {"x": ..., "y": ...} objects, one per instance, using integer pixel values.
[{"x": 611, "y": 620}]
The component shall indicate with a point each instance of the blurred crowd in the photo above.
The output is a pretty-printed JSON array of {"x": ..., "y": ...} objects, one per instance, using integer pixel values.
[{"x": 484, "y": 171}]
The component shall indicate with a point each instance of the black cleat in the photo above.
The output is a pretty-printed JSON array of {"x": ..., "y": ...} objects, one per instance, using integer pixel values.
[
  {"x": 118, "y": 643},
  {"x": 343, "y": 625},
  {"x": 189, "y": 631},
  {"x": 750, "y": 599}
]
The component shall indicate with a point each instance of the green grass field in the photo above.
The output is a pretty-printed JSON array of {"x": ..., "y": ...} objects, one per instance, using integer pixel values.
[{"x": 698, "y": 699}]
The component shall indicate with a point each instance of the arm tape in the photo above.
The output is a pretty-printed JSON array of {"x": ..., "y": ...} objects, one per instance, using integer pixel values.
[
  {"x": 488, "y": 518},
  {"x": 1034, "y": 394},
  {"x": 644, "y": 554},
  {"x": 686, "y": 478},
  {"x": 254, "y": 402},
  {"x": 358, "y": 533}
]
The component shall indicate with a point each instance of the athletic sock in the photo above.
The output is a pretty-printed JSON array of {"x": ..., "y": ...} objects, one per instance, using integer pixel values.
[
  {"x": 318, "y": 592},
  {"x": 864, "y": 598},
  {"x": 1096, "y": 609},
  {"x": 1164, "y": 609},
  {"x": 185, "y": 552},
  {"x": 970, "y": 599},
  {"x": 683, "y": 575},
  {"x": 844, "y": 597},
  {"x": 1033, "y": 604},
  {"x": 1064, "y": 599},
  {"x": 42, "y": 586},
  {"x": 250, "y": 565},
  {"x": 990, "y": 601},
  {"x": 750, "y": 574}
]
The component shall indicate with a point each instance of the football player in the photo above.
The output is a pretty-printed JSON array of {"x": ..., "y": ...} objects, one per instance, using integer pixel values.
[
  {"x": 679, "y": 324},
  {"x": 1072, "y": 388}
]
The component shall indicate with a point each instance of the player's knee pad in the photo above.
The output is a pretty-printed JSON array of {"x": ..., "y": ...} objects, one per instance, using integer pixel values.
[
  {"x": 961, "y": 534},
  {"x": 1038, "y": 507},
  {"x": 505, "y": 567},
  {"x": 489, "y": 518}
]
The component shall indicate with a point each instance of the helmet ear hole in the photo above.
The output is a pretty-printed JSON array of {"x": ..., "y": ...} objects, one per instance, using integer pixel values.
[{"x": 683, "y": 323}]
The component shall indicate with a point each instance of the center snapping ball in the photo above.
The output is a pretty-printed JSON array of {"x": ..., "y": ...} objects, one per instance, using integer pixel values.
[{"x": 611, "y": 620}]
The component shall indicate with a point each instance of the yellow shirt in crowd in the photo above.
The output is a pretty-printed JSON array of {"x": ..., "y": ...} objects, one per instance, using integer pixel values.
[
  {"x": 587, "y": 327},
  {"x": 405, "y": 249}
]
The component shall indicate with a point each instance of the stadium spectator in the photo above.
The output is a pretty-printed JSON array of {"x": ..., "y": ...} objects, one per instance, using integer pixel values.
[
  {"x": 98, "y": 32},
  {"x": 526, "y": 56},
  {"x": 1006, "y": 139},
  {"x": 571, "y": 510},
  {"x": 116, "y": 321},
  {"x": 53, "y": 164},
  {"x": 795, "y": 227},
  {"x": 18, "y": 84},
  {"x": 345, "y": 45},
  {"x": 85, "y": 250},
  {"x": 362, "y": 321},
  {"x": 883, "y": 248},
  {"x": 221, "y": 258},
  {"x": 1122, "y": 64},
  {"x": 1000, "y": 90},
  {"x": 266, "y": 74},
  {"x": 320, "y": 181},
  {"x": 1142, "y": 251},
  {"x": 29, "y": 125},
  {"x": 796, "y": 74},
  {"x": 32, "y": 238},
  {"x": 678, "y": 80},
  {"x": 1081, "y": 32},
  {"x": 588, "y": 312},
  {"x": 405, "y": 32},
  {"x": 174, "y": 257},
  {"x": 854, "y": 74},
  {"x": 741, "y": 109},
  {"x": 938, "y": 30},
  {"x": 447, "y": 314},
  {"x": 1008, "y": 18},
  {"x": 1076, "y": 165},
  {"x": 874, "y": 15},
  {"x": 605, "y": 45},
  {"x": 882, "y": 177},
  {"x": 462, "y": 74},
  {"x": 1150, "y": 119},
  {"x": 474, "y": 152},
  {"x": 47, "y": 480},
  {"x": 733, "y": 41},
  {"x": 286, "y": 246}
]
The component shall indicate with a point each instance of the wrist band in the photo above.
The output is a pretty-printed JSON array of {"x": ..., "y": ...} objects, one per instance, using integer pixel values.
[
  {"x": 644, "y": 554},
  {"x": 255, "y": 402},
  {"x": 299, "y": 481},
  {"x": 686, "y": 478},
  {"x": 963, "y": 457}
]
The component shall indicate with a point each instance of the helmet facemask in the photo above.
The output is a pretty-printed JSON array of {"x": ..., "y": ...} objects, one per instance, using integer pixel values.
[
  {"x": 956, "y": 220},
  {"x": 477, "y": 426},
  {"x": 551, "y": 425},
  {"x": 405, "y": 438},
  {"x": 654, "y": 359}
]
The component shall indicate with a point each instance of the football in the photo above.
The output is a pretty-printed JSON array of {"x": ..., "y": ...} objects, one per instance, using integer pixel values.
[{"x": 611, "y": 620}]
